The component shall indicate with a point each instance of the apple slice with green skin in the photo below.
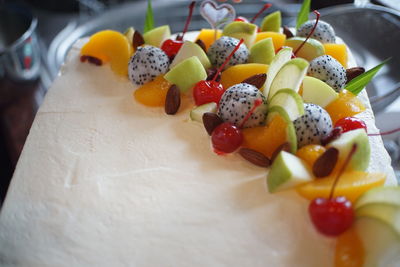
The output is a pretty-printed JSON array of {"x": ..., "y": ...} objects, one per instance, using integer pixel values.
[
  {"x": 289, "y": 76},
  {"x": 272, "y": 22},
  {"x": 360, "y": 159},
  {"x": 291, "y": 131},
  {"x": 380, "y": 242},
  {"x": 239, "y": 30},
  {"x": 311, "y": 49},
  {"x": 129, "y": 34},
  {"x": 287, "y": 171},
  {"x": 290, "y": 101},
  {"x": 381, "y": 195},
  {"x": 157, "y": 36},
  {"x": 317, "y": 92},
  {"x": 196, "y": 114},
  {"x": 387, "y": 213},
  {"x": 280, "y": 59},
  {"x": 190, "y": 49},
  {"x": 186, "y": 74},
  {"x": 262, "y": 52}
]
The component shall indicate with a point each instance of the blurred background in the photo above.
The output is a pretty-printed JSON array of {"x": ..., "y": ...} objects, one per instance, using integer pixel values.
[{"x": 35, "y": 36}]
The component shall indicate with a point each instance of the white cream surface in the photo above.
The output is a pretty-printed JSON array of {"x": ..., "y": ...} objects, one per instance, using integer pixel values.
[{"x": 106, "y": 181}]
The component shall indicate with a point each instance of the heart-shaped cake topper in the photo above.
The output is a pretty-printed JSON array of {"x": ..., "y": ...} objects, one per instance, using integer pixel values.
[{"x": 217, "y": 15}]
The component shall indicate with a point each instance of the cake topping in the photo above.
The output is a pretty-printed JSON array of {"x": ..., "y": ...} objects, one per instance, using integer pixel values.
[
  {"x": 226, "y": 138},
  {"x": 221, "y": 49},
  {"x": 172, "y": 100},
  {"x": 255, "y": 157},
  {"x": 321, "y": 31}
]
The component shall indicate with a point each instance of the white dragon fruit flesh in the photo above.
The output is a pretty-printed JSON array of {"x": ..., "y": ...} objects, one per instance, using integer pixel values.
[
  {"x": 147, "y": 63},
  {"x": 328, "y": 70},
  {"x": 238, "y": 101},
  {"x": 323, "y": 32},
  {"x": 220, "y": 50},
  {"x": 313, "y": 125}
]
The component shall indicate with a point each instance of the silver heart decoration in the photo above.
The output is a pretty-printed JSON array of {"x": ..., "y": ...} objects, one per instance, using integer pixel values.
[{"x": 217, "y": 15}]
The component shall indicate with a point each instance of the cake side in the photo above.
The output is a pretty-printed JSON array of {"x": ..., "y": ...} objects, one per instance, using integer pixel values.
[{"x": 105, "y": 181}]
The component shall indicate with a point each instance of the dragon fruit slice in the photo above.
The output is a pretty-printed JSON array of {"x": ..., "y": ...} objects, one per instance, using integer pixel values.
[{"x": 221, "y": 49}]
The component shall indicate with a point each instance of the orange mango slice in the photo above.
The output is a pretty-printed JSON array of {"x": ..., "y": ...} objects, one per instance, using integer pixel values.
[
  {"x": 278, "y": 39},
  {"x": 338, "y": 52},
  {"x": 238, "y": 73},
  {"x": 208, "y": 36},
  {"x": 310, "y": 153},
  {"x": 110, "y": 46},
  {"x": 153, "y": 93},
  {"x": 266, "y": 139},
  {"x": 346, "y": 105},
  {"x": 349, "y": 250},
  {"x": 351, "y": 185}
]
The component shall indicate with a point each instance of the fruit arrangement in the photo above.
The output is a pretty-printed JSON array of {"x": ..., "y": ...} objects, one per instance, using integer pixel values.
[{"x": 283, "y": 100}]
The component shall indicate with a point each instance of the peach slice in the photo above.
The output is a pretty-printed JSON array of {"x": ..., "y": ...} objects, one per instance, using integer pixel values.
[
  {"x": 338, "y": 52},
  {"x": 351, "y": 185},
  {"x": 238, "y": 73},
  {"x": 349, "y": 250},
  {"x": 110, "y": 46},
  {"x": 278, "y": 39},
  {"x": 153, "y": 93},
  {"x": 207, "y": 36},
  {"x": 346, "y": 105}
]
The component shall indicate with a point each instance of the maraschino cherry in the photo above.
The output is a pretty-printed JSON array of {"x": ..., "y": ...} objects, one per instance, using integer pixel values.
[
  {"x": 334, "y": 215},
  {"x": 351, "y": 123},
  {"x": 171, "y": 47},
  {"x": 211, "y": 91},
  {"x": 311, "y": 32}
]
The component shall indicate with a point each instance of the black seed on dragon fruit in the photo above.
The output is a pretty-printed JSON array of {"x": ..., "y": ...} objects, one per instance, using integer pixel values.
[
  {"x": 313, "y": 125},
  {"x": 147, "y": 63},
  {"x": 238, "y": 101},
  {"x": 328, "y": 70},
  {"x": 221, "y": 49},
  {"x": 323, "y": 32}
]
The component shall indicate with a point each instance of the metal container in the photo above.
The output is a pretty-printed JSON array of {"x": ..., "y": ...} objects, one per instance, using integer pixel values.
[{"x": 19, "y": 48}]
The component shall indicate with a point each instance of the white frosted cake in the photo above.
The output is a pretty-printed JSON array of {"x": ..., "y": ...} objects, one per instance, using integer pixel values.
[{"x": 105, "y": 181}]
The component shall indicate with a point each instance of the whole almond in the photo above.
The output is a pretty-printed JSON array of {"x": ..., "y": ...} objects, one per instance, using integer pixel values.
[
  {"x": 325, "y": 164},
  {"x": 211, "y": 121},
  {"x": 172, "y": 100},
  {"x": 353, "y": 73},
  {"x": 257, "y": 80},
  {"x": 284, "y": 147},
  {"x": 255, "y": 157},
  {"x": 287, "y": 32},
  {"x": 137, "y": 40},
  {"x": 200, "y": 43}
]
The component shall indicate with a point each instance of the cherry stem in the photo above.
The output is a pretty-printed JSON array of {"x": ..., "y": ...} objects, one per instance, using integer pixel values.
[
  {"x": 257, "y": 102},
  {"x": 341, "y": 171},
  {"x": 227, "y": 59},
  {"x": 385, "y": 133},
  {"x": 311, "y": 32},
  {"x": 265, "y": 7},
  {"x": 189, "y": 18}
]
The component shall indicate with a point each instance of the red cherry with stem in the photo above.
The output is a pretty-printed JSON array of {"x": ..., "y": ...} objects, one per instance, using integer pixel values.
[
  {"x": 242, "y": 19},
  {"x": 311, "y": 32},
  {"x": 171, "y": 47},
  {"x": 333, "y": 216},
  {"x": 351, "y": 123},
  {"x": 211, "y": 91},
  {"x": 226, "y": 138}
]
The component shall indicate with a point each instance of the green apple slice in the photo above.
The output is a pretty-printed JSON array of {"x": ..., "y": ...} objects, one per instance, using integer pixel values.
[
  {"x": 283, "y": 56},
  {"x": 129, "y": 34},
  {"x": 196, "y": 114},
  {"x": 157, "y": 36},
  {"x": 290, "y": 101},
  {"x": 287, "y": 171},
  {"x": 289, "y": 76},
  {"x": 311, "y": 49},
  {"x": 381, "y": 243},
  {"x": 190, "y": 49},
  {"x": 382, "y": 195},
  {"x": 387, "y": 213},
  {"x": 272, "y": 22},
  {"x": 290, "y": 130},
  {"x": 239, "y": 30},
  {"x": 344, "y": 144},
  {"x": 186, "y": 74},
  {"x": 317, "y": 92},
  {"x": 262, "y": 52}
]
